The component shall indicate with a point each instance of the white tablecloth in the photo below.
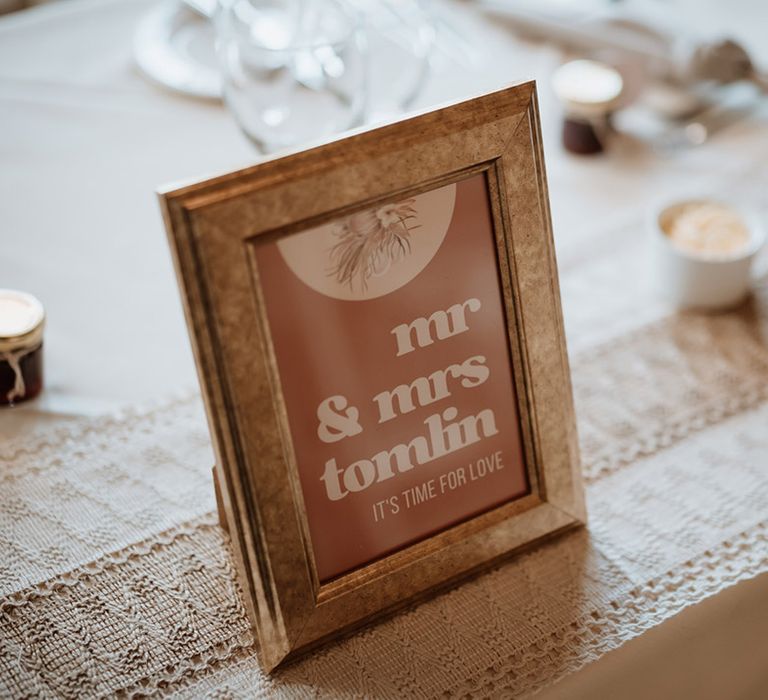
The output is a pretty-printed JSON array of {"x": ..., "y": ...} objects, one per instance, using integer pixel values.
[{"x": 84, "y": 141}]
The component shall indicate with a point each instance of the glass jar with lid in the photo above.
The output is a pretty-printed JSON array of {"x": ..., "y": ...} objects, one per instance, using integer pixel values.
[
  {"x": 589, "y": 91},
  {"x": 22, "y": 319}
]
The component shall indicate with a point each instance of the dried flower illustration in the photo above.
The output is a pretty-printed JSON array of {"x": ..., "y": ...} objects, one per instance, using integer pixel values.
[{"x": 370, "y": 241}]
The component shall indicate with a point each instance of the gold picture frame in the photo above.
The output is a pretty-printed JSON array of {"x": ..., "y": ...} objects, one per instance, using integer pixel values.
[{"x": 214, "y": 226}]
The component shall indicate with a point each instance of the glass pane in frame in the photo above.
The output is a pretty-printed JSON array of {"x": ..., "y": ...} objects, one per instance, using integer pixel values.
[{"x": 389, "y": 331}]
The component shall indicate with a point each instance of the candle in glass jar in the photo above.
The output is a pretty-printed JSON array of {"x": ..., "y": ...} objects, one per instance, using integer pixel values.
[
  {"x": 708, "y": 229},
  {"x": 703, "y": 251},
  {"x": 589, "y": 91},
  {"x": 21, "y": 346}
]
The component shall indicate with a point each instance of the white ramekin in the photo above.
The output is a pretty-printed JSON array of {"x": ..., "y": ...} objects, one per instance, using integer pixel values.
[{"x": 689, "y": 280}]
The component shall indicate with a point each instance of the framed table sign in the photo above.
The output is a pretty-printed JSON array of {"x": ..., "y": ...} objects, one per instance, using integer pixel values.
[{"x": 378, "y": 333}]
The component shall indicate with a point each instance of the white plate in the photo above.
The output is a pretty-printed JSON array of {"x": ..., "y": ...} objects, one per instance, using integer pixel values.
[{"x": 174, "y": 47}]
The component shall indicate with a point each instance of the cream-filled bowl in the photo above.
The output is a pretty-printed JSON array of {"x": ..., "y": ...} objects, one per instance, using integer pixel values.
[{"x": 702, "y": 251}]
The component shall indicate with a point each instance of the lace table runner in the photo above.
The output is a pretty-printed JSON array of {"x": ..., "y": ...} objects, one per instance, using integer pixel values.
[{"x": 115, "y": 578}]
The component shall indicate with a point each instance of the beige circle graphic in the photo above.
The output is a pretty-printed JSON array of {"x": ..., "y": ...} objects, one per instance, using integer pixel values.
[{"x": 373, "y": 252}]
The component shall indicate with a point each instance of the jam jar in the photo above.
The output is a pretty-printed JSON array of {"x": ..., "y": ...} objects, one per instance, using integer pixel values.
[
  {"x": 21, "y": 347},
  {"x": 589, "y": 91}
]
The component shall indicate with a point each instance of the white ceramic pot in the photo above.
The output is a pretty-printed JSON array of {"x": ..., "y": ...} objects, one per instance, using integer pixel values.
[{"x": 691, "y": 280}]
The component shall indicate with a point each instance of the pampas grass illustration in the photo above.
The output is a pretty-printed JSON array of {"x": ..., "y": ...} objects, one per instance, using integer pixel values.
[{"x": 370, "y": 241}]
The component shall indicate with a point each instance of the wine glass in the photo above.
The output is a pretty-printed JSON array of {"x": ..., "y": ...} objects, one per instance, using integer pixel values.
[{"x": 293, "y": 70}]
